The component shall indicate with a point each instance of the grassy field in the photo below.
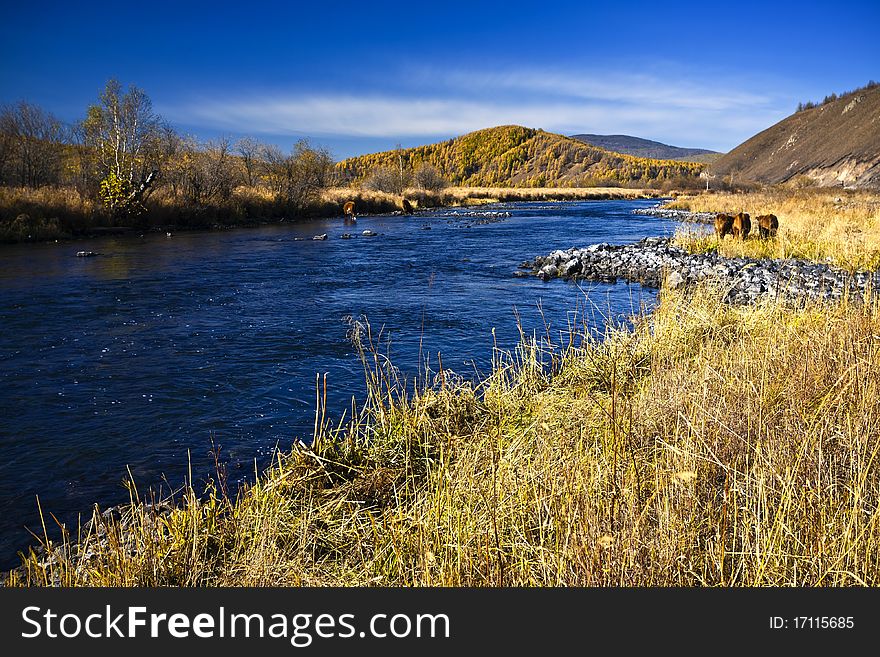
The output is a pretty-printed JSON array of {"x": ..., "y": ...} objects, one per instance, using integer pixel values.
[{"x": 836, "y": 226}]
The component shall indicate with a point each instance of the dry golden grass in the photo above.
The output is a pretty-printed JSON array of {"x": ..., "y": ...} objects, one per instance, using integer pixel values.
[
  {"x": 836, "y": 226},
  {"x": 50, "y": 197},
  {"x": 711, "y": 446},
  {"x": 551, "y": 193},
  {"x": 45, "y": 213},
  {"x": 374, "y": 201}
]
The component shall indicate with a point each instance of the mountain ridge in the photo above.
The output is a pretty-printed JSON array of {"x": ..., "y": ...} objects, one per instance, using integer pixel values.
[{"x": 641, "y": 147}]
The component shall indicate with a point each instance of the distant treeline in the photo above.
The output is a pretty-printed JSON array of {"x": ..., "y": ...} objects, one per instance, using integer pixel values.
[
  {"x": 123, "y": 165},
  {"x": 832, "y": 97}
]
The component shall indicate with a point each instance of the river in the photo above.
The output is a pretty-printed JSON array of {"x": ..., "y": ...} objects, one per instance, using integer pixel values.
[{"x": 139, "y": 357}]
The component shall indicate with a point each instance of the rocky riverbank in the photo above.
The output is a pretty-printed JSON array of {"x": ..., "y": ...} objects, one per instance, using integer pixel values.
[
  {"x": 747, "y": 280},
  {"x": 685, "y": 216}
]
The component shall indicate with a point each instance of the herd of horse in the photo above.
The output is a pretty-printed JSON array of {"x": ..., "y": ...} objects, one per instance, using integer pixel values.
[{"x": 740, "y": 225}]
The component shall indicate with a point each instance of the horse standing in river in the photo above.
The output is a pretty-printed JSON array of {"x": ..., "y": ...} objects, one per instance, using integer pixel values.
[{"x": 348, "y": 211}]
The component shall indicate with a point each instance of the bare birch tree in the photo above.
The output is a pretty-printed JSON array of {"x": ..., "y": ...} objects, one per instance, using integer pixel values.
[{"x": 124, "y": 132}]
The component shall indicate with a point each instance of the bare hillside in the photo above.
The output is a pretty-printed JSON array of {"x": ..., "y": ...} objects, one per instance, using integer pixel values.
[{"x": 836, "y": 143}]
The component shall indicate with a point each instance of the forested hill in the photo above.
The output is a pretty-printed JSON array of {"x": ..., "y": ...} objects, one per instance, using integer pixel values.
[
  {"x": 644, "y": 147},
  {"x": 511, "y": 156}
]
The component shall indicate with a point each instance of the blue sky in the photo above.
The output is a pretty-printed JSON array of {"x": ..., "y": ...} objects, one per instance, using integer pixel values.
[{"x": 362, "y": 77}]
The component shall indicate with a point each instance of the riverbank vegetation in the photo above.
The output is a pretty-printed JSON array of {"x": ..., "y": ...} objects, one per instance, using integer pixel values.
[
  {"x": 375, "y": 201},
  {"x": 710, "y": 445},
  {"x": 840, "y": 227},
  {"x": 50, "y": 213}
]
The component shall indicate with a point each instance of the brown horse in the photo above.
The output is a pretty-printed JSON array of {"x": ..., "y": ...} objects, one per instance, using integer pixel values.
[
  {"x": 741, "y": 226},
  {"x": 348, "y": 211},
  {"x": 768, "y": 224},
  {"x": 723, "y": 225}
]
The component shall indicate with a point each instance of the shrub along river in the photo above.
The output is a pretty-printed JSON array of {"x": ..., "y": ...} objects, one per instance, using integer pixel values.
[{"x": 139, "y": 356}]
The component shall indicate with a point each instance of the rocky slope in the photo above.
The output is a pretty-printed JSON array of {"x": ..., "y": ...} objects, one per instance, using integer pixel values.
[{"x": 836, "y": 143}]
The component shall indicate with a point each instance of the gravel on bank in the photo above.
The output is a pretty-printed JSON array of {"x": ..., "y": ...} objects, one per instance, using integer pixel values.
[
  {"x": 684, "y": 216},
  {"x": 746, "y": 280}
]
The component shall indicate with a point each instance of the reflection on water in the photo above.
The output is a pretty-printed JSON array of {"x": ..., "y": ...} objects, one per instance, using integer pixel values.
[{"x": 141, "y": 355}]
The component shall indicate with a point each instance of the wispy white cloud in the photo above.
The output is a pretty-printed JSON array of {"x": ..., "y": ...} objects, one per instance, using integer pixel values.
[
  {"x": 668, "y": 90},
  {"x": 375, "y": 116},
  {"x": 686, "y": 112}
]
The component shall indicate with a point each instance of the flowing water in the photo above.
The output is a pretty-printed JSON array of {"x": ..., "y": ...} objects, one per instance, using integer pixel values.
[{"x": 139, "y": 357}]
